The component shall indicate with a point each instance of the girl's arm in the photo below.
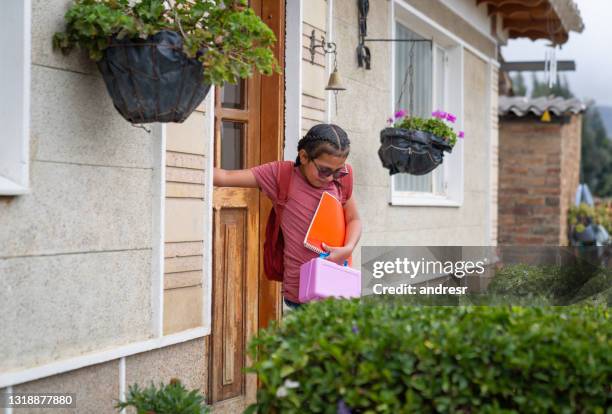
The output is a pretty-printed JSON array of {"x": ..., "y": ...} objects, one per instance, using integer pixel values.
[
  {"x": 353, "y": 233},
  {"x": 233, "y": 178}
]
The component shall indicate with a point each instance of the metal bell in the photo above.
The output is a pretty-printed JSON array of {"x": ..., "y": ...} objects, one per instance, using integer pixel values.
[{"x": 335, "y": 83}]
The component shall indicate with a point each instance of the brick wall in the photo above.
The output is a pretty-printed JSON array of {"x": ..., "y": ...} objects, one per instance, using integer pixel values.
[
  {"x": 538, "y": 174},
  {"x": 570, "y": 169}
]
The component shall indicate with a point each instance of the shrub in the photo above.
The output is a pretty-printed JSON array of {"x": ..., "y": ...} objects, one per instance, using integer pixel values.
[
  {"x": 340, "y": 355},
  {"x": 556, "y": 285},
  {"x": 172, "y": 398}
]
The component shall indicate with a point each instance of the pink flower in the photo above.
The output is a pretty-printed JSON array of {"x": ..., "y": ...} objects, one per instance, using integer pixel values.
[
  {"x": 439, "y": 114},
  {"x": 461, "y": 134},
  {"x": 400, "y": 114},
  {"x": 390, "y": 120},
  {"x": 452, "y": 118}
]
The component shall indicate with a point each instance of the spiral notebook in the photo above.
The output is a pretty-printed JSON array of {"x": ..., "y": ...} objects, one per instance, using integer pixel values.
[{"x": 327, "y": 226}]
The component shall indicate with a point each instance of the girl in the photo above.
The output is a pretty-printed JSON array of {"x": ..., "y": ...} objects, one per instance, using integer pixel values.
[{"x": 322, "y": 153}]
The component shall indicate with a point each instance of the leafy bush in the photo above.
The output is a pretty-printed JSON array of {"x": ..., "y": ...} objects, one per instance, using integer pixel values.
[
  {"x": 225, "y": 35},
  {"x": 340, "y": 355},
  {"x": 167, "y": 399},
  {"x": 553, "y": 284}
]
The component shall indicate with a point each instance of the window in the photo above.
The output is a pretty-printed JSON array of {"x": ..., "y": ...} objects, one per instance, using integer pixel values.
[
  {"x": 14, "y": 100},
  {"x": 436, "y": 84}
]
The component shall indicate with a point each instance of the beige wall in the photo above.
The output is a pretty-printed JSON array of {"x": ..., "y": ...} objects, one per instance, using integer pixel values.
[
  {"x": 96, "y": 387},
  {"x": 494, "y": 162},
  {"x": 75, "y": 253},
  {"x": 362, "y": 111},
  {"x": 314, "y": 75},
  {"x": 185, "y": 214}
]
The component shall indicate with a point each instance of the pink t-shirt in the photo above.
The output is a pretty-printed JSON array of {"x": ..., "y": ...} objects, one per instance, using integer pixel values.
[{"x": 302, "y": 201}]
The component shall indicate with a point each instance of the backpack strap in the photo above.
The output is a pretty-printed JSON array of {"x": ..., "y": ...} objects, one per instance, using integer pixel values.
[
  {"x": 346, "y": 185},
  {"x": 284, "y": 176}
]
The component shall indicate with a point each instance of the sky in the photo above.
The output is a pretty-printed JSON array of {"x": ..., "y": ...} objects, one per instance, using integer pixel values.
[{"x": 591, "y": 50}]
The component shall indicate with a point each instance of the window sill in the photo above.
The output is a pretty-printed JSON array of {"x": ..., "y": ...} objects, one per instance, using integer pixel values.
[
  {"x": 10, "y": 188},
  {"x": 422, "y": 201}
]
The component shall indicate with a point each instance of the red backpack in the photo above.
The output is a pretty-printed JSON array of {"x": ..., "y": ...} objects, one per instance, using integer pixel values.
[{"x": 275, "y": 244}]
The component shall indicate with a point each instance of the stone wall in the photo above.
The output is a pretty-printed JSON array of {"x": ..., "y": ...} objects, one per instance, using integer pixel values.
[{"x": 538, "y": 175}]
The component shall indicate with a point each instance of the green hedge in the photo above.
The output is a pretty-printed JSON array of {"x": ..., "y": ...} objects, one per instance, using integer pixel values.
[
  {"x": 374, "y": 357},
  {"x": 579, "y": 283}
]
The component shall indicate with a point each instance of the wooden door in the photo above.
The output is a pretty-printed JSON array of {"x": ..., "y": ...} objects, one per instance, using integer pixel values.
[{"x": 242, "y": 300}]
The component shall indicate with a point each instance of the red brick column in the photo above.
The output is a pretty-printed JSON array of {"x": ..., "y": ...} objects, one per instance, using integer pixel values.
[{"x": 538, "y": 174}]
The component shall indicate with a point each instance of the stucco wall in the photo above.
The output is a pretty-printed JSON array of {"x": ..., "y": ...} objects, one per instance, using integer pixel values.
[
  {"x": 362, "y": 111},
  {"x": 75, "y": 253}
]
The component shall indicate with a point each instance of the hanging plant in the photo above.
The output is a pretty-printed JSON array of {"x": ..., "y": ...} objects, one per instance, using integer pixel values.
[
  {"x": 416, "y": 145},
  {"x": 159, "y": 58}
]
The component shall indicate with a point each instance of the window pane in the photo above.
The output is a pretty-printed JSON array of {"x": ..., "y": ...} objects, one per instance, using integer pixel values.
[
  {"x": 422, "y": 81},
  {"x": 423, "y": 69},
  {"x": 232, "y": 145},
  {"x": 232, "y": 96},
  {"x": 407, "y": 182},
  {"x": 440, "y": 69}
]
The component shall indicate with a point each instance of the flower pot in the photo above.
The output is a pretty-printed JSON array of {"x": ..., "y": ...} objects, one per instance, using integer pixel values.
[
  {"x": 411, "y": 151},
  {"x": 152, "y": 80}
]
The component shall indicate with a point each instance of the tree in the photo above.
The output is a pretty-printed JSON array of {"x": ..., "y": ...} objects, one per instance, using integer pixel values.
[
  {"x": 596, "y": 154},
  {"x": 559, "y": 88},
  {"x": 518, "y": 85}
]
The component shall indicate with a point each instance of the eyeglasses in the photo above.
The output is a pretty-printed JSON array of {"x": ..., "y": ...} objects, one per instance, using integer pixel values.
[{"x": 325, "y": 172}]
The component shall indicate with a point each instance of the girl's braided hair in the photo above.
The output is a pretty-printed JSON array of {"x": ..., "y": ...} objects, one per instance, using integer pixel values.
[{"x": 324, "y": 139}]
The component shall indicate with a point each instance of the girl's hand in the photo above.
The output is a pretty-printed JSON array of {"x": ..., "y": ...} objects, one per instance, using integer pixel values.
[{"x": 338, "y": 254}]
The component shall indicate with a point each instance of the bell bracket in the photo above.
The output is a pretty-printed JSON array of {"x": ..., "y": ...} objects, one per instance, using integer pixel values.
[{"x": 327, "y": 47}]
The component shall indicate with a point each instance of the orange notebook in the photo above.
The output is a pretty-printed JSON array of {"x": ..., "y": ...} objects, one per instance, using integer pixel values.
[{"x": 327, "y": 225}]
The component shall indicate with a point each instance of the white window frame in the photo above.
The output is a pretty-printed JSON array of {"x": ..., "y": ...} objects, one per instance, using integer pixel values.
[
  {"x": 453, "y": 169},
  {"x": 15, "y": 47}
]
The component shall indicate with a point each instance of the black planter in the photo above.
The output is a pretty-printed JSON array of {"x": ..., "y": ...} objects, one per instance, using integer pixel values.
[
  {"x": 152, "y": 80},
  {"x": 409, "y": 151}
]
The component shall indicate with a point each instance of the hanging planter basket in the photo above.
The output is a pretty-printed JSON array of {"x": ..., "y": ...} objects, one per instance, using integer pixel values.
[
  {"x": 411, "y": 151},
  {"x": 153, "y": 80}
]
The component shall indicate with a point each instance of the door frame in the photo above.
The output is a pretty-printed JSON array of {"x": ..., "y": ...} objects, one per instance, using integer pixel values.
[{"x": 272, "y": 121}]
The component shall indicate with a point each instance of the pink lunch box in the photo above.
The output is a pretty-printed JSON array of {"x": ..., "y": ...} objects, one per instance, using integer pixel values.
[{"x": 320, "y": 278}]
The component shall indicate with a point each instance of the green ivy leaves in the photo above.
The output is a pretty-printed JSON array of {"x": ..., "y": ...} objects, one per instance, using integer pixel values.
[{"x": 228, "y": 38}]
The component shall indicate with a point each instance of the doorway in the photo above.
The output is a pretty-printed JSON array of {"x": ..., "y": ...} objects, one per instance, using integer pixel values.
[{"x": 248, "y": 132}]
